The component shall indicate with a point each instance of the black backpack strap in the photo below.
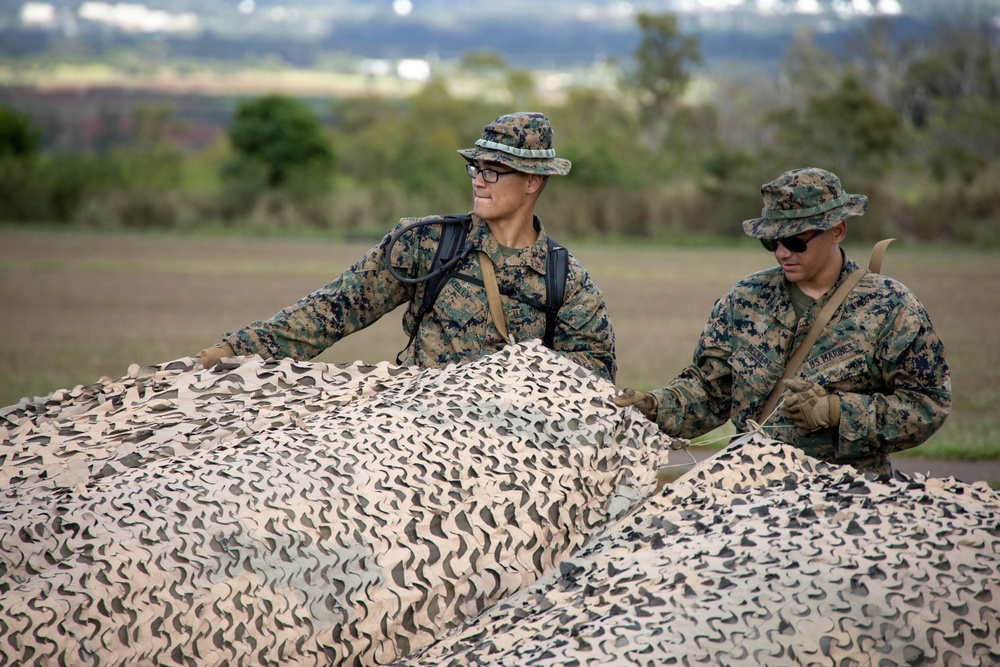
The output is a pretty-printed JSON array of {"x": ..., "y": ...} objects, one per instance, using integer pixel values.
[
  {"x": 454, "y": 229},
  {"x": 451, "y": 245},
  {"x": 452, "y": 238},
  {"x": 556, "y": 271}
]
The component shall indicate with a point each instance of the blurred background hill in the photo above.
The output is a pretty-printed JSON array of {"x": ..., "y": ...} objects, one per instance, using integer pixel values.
[
  {"x": 674, "y": 111},
  {"x": 556, "y": 33}
]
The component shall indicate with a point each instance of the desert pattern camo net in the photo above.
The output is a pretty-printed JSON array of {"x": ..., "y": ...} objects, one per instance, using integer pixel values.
[
  {"x": 764, "y": 557},
  {"x": 278, "y": 512}
]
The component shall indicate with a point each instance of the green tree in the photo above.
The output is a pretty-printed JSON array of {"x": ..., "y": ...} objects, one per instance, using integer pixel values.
[
  {"x": 148, "y": 159},
  {"x": 847, "y": 131},
  {"x": 19, "y": 138},
  {"x": 521, "y": 84},
  {"x": 663, "y": 63},
  {"x": 807, "y": 69},
  {"x": 435, "y": 126},
  {"x": 409, "y": 146},
  {"x": 951, "y": 95},
  {"x": 19, "y": 141},
  {"x": 278, "y": 142},
  {"x": 601, "y": 137},
  {"x": 364, "y": 133}
]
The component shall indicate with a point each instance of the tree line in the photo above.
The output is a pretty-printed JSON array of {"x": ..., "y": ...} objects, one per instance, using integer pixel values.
[{"x": 914, "y": 124}]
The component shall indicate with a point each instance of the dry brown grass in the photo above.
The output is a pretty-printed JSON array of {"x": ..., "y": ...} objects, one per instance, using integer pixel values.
[{"x": 74, "y": 307}]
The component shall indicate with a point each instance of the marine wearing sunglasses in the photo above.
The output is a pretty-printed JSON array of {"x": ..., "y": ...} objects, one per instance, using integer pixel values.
[{"x": 791, "y": 243}]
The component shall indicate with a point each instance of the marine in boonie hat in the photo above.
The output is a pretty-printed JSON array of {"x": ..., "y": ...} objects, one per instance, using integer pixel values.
[
  {"x": 522, "y": 141},
  {"x": 800, "y": 200}
]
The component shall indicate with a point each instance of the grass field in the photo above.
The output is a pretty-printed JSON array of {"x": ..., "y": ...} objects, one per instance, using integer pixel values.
[{"x": 75, "y": 307}]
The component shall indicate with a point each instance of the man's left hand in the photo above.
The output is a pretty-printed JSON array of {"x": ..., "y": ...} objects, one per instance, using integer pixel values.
[
  {"x": 645, "y": 403},
  {"x": 810, "y": 406},
  {"x": 210, "y": 356}
]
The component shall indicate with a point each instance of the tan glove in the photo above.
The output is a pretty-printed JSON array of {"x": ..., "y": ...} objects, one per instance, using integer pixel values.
[
  {"x": 645, "y": 403},
  {"x": 810, "y": 406},
  {"x": 210, "y": 356}
]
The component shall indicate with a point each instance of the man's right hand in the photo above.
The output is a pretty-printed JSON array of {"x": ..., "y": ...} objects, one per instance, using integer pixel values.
[
  {"x": 645, "y": 403},
  {"x": 211, "y": 355}
]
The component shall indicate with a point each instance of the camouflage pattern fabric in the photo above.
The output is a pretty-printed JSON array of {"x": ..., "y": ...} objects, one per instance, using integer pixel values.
[
  {"x": 458, "y": 328},
  {"x": 287, "y": 513},
  {"x": 801, "y": 200},
  {"x": 879, "y": 353},
  {"x": 764, "y": 557}
]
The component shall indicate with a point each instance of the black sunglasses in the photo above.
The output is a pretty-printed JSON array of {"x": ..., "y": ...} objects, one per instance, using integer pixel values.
[{"x": 792, "y": 243}]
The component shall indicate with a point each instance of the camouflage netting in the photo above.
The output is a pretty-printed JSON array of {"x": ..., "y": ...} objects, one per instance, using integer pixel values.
[
  {"x": 763, "y": 556},
  {"x": 291, "y": 513},
  {"x": 274, "y": 512}
]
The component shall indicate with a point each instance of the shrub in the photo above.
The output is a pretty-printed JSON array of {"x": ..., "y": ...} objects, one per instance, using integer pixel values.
[{"x": 278, "y": 142}]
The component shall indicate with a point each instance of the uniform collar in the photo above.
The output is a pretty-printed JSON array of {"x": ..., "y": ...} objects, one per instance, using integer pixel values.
[
  {"x": 780, "y": 301},
  {"x": 848, "y": 267},
  {"x": 532, "y": 256}
]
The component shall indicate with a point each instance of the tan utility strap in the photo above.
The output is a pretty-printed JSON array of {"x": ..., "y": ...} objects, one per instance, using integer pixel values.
[
  {"x": 493, "y": 294},
  {"x": 802, "y": 351},
  {"x": 878, "y": 252}
]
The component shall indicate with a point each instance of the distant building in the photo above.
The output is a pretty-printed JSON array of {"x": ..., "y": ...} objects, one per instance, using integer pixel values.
[
  {"x": 376, "y": 67},
  {"x": 413, "y": 69},
  {"x": 132, "y": 17},
  {"x": 38, "y": 15}
]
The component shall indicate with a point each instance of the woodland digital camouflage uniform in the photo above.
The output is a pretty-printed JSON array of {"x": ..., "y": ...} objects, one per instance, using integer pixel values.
[
  {"x": 458, "y": 327},
  {"x": 879, "y": 353}
]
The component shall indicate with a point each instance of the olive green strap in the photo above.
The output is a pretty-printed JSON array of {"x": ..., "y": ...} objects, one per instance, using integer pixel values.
[
  {"x": 799, "y": 356},
  {"x": 493, "y": 295}
]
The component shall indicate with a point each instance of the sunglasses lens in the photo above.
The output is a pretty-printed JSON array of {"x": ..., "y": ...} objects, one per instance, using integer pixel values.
[{"x": 792, "y": 243}]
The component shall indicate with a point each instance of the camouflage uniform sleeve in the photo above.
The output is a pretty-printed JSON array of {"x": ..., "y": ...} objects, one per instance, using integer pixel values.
[
  {"x": 356, "y": 299},
  {"x": 584, "y": 332},
  {"x": 917, "y": 389},
  {"x": 699, "y": 398}
]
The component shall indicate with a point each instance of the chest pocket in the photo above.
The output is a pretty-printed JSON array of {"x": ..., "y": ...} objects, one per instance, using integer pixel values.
[
  {"x": 458, "y": 308},
  {"x": 845, "y": 367},
  {"x": 524, "y": 320},
  {"x": 748, "y": 361},
  {"x": 754, "y": 375},
  {"x": 524, "y": 301}
]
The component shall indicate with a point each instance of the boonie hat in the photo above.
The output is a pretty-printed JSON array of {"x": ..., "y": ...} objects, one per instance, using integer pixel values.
[
  {"x": 522, "y": 141},
  {"x": 800, "y": 200}
]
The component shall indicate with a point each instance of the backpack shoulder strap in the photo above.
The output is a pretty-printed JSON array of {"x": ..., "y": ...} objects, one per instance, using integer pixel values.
[
  {"x": 878, "y": 252},
  {"x": 454, "y": 229},
  {"x": 556, "y": 271},
  {"x": 452, "y": 237}
]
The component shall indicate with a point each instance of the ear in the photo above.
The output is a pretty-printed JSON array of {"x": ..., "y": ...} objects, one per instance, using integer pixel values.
[
  {"x": 535, "y": 183},
  {"x": 839, "y": 232}
]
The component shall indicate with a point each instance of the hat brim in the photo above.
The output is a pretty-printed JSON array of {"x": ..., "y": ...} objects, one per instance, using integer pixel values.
[
  {"x": 553, "y": 166},
  {"x": 779, "y": 228}
]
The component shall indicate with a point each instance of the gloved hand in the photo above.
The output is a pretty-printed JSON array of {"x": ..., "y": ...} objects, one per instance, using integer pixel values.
[
  {"x": 644, "y": 402},
  {"x": 810, "y": 406},
  {"x": 211, "y": 355}
]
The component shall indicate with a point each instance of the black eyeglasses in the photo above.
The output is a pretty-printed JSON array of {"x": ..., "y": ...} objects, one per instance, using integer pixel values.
[
  {"x": 793, "y": 243},
  {"x": 489, "y": 175}
]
